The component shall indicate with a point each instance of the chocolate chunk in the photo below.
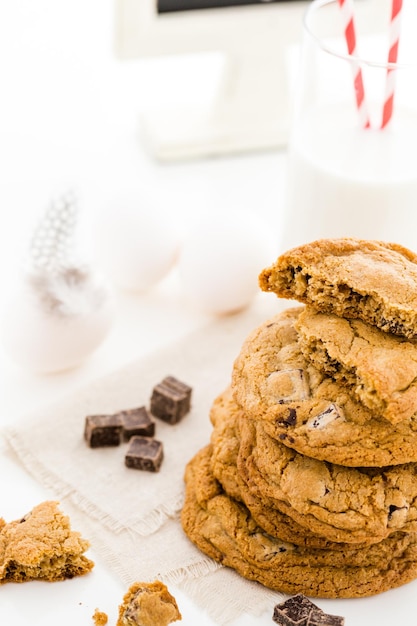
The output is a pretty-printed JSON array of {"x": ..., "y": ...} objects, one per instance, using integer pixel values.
[
  {"x": 397, "y": 515},
  {"x": 170, "y": 400},
  {"x": 319, "y": 618},
  {"x": 332, "y": 413},
  {"x": 268, "y": 547},
  {"x": 294, "y": 612},
  {"x": 144, "y": 453},
  {"x": 137, "y": 422},
  {"x": 300, "y": 611},
  {"x": 291, "y": 419},
  {"x": 103, "y": 430}
]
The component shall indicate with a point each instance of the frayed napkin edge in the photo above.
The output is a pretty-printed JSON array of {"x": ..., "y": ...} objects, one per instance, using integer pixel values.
[{"x": 145, "y": 526}]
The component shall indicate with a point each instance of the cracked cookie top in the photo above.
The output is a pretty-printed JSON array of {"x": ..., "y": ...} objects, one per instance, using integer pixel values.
[
  {"x": 308, "y": 410},
  {"x": 226, "y": 442},
  {"x": 353, "y": 278},
  {"x": 381, "y": 368},
  {"x": 347, "y": 504},
  {"x": 224, "y": 529}
]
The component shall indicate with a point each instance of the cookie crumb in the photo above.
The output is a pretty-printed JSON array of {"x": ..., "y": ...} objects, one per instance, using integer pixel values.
[{"x": 100, "y": 618}]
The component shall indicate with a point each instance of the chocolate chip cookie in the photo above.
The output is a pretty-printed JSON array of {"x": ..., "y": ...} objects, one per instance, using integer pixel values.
[
  {"x": 340, "y": 503},
  {"x": 309, "y": 411},
  {"x": 225, "y": 439},
  {"x": 352, "y": 278},
  {"x": 224, "y": 530}
]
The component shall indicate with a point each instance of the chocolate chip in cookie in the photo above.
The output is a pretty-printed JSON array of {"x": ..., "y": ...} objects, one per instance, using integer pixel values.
[{"x": 323, "y": 419}]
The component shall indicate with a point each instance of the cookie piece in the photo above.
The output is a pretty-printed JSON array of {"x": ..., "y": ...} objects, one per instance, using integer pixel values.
[
  {"x": 340, "y": 503},
  {"x": 223, "y": 463},
  {"x": 148, "y": 604},
  {"x": 352, "y": 278},
  {"x": 311, "y": 412},
  {"x": 223, "y": 529},
  {"x": 381, "y": 368},
  {"x": 42, "y": 546}
]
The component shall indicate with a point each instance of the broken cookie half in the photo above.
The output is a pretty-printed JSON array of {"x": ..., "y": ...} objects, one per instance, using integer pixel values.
[
  {"x": 373, "y": 281},
  {"x": 42, "y": 546}
]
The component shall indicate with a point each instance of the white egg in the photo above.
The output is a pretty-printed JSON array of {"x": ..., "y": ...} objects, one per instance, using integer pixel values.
[
  {"x": 44, "y": 340},
  {"x": 136, "y": 244},
  {"x": 221, "y": 259}
]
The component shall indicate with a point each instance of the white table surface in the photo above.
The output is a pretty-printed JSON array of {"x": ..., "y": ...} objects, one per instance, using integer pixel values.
[{"x": 68, "y": 111}]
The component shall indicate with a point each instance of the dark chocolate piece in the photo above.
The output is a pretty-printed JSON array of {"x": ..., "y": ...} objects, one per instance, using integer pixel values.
[
  {"x": 144, "y": 453},
  {"x": 137, "y": 422},
  {"x": 171, "y": 400},
  {"x": 103, "y": 430},
  {"x": 319, "y": 618},
  {"x": 295, "y": 611}
]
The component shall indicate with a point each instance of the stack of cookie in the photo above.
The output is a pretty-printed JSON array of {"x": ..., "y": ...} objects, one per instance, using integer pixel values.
[{"x": 309, "y": 483}]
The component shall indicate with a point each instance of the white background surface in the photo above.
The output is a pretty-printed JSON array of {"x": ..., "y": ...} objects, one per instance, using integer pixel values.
[{"x": 68, "y": 112}]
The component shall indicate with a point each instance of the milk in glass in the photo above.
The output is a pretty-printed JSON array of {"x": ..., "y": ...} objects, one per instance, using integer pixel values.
[
  {"x": 347, "y": 181},
  {"x": 344, "y": 180}
]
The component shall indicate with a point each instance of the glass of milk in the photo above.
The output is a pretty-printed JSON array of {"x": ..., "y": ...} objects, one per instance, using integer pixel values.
[{"x": 345, "y": 179}]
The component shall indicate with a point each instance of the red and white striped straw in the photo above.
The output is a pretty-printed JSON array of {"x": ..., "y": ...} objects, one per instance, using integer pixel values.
[
  {"x": 394, "y": 39},
  {"x": 350, "y": 37}
]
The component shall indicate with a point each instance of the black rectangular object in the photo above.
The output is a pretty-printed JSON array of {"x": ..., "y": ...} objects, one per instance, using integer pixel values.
[{"x": 168, "y": 6}]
